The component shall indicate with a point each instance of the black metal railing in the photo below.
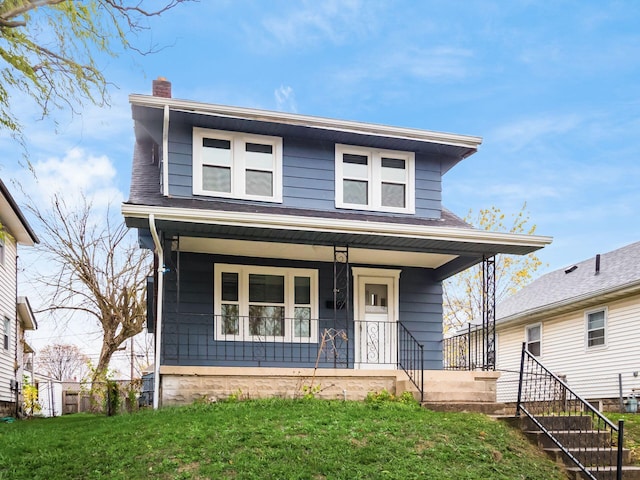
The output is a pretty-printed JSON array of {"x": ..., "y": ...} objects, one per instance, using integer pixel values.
[
  {"x": 465, "y": 351},
  {"x": 411, "y": 358},
  {"x": 582, "y": 433},
  {"x": 203, "y": 339}
]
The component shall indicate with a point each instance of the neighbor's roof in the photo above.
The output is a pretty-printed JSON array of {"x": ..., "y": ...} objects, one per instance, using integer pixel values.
[
  {"x": 576, "y": 286},
  {"x": 13, "y": 220}
]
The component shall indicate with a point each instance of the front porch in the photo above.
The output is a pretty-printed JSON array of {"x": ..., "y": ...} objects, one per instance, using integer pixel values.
[{"x": 184, "y": 385}]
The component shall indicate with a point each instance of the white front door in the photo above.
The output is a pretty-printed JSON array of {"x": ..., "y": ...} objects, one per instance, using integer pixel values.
[{"x": 375, "y": 311}]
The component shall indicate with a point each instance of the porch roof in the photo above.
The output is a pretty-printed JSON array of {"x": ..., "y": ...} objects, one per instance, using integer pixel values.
[{"x": 456, "y": 245}]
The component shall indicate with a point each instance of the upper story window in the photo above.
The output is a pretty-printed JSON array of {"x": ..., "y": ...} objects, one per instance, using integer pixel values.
[
  {"x": 6, "y": 333},
  {"x": 533, "y": 334},
  {"x": 266, "y": 304},
  {"x": 2, "y": 250},
  {"x": 237, "y": 165},
  {"x": 596, "y": 328},
  {"x": 378, "y": 180}
]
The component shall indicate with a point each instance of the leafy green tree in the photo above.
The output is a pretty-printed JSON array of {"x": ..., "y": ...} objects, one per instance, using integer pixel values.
[
  {"x": 462, "y": 293},
  {"x": 49, "y": 49}
]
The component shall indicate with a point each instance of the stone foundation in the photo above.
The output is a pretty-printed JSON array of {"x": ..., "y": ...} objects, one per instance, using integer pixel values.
[
  {"x": 7, "y": 409},
  {"x": 184, "y": 385}
]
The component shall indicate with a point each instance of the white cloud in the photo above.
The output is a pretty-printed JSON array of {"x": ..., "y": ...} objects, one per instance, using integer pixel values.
[
  {"x": 317, "y": 22},
  {"x": 516, "y": 135},
  {"x": 285, "y": 99},
  {"x": 77, "y": 173}
]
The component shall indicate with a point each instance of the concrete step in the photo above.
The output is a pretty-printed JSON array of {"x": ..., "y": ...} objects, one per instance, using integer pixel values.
[
  {"x": 488, "y": 408},
  {"x": 590, "y": 455},
  {"x": 606, "y": 473},
  {"x": 576, "y": 422},
  {"x": 459, "y": 396},
  {"x": 571, "y": 439}
]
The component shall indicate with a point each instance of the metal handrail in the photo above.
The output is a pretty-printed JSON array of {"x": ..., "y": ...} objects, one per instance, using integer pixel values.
[
  {"x": 542, "y": 394},
  {"x": 411, "y": 358}
]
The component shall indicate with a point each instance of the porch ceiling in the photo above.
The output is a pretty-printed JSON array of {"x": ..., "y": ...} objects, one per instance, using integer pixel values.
[{"x": 447, "y": 249}]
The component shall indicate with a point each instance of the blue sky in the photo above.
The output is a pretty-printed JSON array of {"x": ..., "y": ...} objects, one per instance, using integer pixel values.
[{"x": 552, "y": 87}]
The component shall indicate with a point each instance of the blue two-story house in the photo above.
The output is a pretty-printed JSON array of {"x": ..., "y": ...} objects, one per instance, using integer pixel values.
[{"x": 295, "y": 253}]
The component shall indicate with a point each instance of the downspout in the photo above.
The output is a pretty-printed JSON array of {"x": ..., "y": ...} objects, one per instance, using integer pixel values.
[
  {"x": 160, "y": 253},
  {"x": 16, "y": 367},
  {"x": 165, "y": 152}
]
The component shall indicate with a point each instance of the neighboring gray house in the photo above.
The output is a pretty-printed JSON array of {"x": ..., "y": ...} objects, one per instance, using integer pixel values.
[
  {"x": 16, "y": 315},
  {"x": 294, "y": 251},
  {"x": 582, "y": 321}
]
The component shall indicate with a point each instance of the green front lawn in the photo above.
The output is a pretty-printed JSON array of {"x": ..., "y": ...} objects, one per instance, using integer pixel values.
[
  {"x": 271, "y": 439},
  {"x": 631, "y": 432}
]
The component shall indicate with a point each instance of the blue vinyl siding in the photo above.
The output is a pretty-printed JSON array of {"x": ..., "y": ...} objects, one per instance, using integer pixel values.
[
  {"x": 188, "y": 325},
  {"x": 421, "y": 312},
  {"x": 308, "y": 174}
]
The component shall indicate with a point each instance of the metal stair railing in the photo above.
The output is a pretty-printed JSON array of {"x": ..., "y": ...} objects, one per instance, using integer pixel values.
[
  {"x": 543, "y": 394},
  {"x": 411, "y": 358}
]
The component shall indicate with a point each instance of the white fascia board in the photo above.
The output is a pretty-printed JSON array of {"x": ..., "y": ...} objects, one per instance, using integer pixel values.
[
  {"x": 333, "y": 225},
  {"x": 577, "y": 302},
  {"x": 26, "y": 315},
  {"x": 361, "y": 128}
]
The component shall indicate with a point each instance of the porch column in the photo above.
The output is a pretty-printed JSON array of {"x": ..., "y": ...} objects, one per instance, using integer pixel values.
[{"x": 489, "y": 312}]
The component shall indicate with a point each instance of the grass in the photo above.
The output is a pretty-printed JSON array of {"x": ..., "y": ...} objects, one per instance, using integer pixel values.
[
  {"x": 272, "y": 439},
  {"x": 631, "y": 432}
]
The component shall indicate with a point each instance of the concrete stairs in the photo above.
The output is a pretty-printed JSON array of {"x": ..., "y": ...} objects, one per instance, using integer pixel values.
[
  {"x": 457, "y": 391},
  {"x": 590, "y": 447}
]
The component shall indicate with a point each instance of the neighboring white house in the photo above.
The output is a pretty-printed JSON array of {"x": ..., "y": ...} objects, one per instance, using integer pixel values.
[
  {"x": 50, "y": 396},
  {"x": 582, "y": 322},
  {"x": 15, "y": 313}
]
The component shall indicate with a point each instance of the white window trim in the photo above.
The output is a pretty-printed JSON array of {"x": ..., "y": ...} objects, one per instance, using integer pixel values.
[
  {"x": 289, "y": 274},
  {"x": 526, "y": 337},
  {"x": 374, "y": 187},
  {"x": 6, "y": 332},
  {"x": 238, "y": 168},
  {"x": 586, "y": 328}
]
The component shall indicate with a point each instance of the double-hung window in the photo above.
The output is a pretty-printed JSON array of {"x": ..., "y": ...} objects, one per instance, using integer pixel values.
[
  {"x": 237, "y": 165},
  {"x": 6, "y": 332},
  {"x": 533, "y": 335},
  {"x": 596, "y": 321},
  {"x": 265, "y": 303},
  {"x": 377, "y": 180}
]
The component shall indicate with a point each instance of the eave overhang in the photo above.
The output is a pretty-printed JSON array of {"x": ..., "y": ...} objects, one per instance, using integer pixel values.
[
  {"x": 25, "y": 314},
  {"x": 285, "y": 118},
  {"x": 580, "y": 302},
  {"x": 13, "y": 220},
  {"x": 449, "y": 148},
  {"x": 466, "y": 246}
]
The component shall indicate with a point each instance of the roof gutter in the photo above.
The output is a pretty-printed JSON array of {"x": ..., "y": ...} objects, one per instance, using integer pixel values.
[
  {"x": 362, "y": 128},
  {"x": 160, "y": 253}
]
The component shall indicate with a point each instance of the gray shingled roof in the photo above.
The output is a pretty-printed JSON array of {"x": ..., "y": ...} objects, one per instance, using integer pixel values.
[{"x": 619, "y": 270}]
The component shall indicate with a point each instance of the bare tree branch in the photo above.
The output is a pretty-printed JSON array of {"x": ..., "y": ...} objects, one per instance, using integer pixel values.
[{"x": 98, "y": 272}]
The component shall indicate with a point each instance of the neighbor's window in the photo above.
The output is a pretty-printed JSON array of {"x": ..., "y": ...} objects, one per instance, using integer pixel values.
[
  {"x": 534, "y": 339},
  {"x": 6, "y": 333},
  {"x": 371, "y": 179},
  {"x": 596, "y": 328},
  {"x": 237, "y": 165},
  {"x": 257, "y": 303}
]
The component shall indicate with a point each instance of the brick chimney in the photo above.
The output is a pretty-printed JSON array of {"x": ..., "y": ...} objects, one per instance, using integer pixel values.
[{"x": 161, "y": 88}]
